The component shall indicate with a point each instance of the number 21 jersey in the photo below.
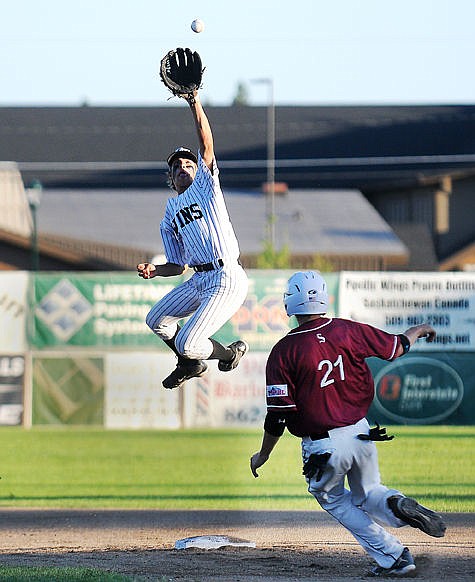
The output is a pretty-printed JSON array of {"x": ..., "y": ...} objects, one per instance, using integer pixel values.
[{"x": 318, "y": 373}]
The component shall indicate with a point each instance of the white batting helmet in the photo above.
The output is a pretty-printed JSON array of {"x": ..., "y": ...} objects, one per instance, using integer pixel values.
[{"x": 306, "y": 294}]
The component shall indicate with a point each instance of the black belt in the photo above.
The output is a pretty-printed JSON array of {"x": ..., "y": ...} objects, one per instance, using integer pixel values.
[
  {"x": 209, "y": 266},
  {"x": 318, "y": 436}
]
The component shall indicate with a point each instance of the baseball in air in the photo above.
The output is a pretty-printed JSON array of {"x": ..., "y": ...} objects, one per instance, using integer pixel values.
[{"x": 197, "y": 25}]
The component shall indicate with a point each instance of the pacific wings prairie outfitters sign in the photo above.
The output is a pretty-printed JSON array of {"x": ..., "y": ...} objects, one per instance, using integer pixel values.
[{"x": 397, "y": 301}]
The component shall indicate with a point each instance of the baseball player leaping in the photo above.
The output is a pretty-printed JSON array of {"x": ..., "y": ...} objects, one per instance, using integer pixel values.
[
  {"x": 320, "y": 387},
  {"x": 197, "y": 232}
]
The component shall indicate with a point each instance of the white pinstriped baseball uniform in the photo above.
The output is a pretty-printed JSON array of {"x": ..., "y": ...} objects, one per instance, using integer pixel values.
[{"x": 196, "y": 230}]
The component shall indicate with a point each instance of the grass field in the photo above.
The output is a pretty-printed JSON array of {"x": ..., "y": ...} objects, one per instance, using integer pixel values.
[
  {"x": 51, "y": 574},
  {"x": 209, "y": 469}
]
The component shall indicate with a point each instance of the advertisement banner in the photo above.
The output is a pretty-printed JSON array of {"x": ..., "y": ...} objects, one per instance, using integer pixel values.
[
  {"x": 13, "y": 302},
  {"x": 262, "y": 320},
  {"x": 68, "y": 390},
  {"x": 12, "y": 371},
  {"x": 397, "y": 301},
  {"x": 95, "y": 310},
  {"x": 231, "y": 399},
  {"x": 424, "y": 388},
  {"x": 134, "y": 396},
  {"x": 109, "y": 310}
]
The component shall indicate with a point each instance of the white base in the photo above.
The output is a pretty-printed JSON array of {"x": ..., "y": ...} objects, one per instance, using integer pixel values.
[{"x": 212, "y": 542}]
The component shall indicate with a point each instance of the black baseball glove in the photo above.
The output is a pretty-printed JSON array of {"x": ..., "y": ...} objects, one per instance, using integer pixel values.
[
  {"x": 315, "y": 465},
  {"x": 377, "y": 433},
  {"x": 181, "y": 71}
]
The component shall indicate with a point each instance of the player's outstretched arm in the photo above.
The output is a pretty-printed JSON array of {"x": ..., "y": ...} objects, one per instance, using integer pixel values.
[
  {"x": 149, "y": 270},
  {"x": 258, "y": 459},
  {"x": 414, "y": 333},
  {"x": 203, "y": 128},
  {"x": 418, "y": 331}
]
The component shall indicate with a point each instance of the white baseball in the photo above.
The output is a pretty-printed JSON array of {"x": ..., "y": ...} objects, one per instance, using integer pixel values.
[{"x": 197, "y": 25}]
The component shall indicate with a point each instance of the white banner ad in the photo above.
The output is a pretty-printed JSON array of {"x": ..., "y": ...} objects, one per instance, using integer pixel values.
[
  {"x": 397, "y": 301},
  {"x": 12, "y": 372},
  {"x": 228, "y": 399},
  {"x": 13, "y": 301},
  {"x": 134, "y": 395}
]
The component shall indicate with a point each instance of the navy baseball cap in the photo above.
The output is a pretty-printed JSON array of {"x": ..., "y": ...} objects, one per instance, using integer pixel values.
[{"x": 182, "y": 152}]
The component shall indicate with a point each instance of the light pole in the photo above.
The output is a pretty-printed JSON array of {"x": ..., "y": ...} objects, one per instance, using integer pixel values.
[
  {"x": 33, "y": 195},
  {"x": 270, "y": 156}
]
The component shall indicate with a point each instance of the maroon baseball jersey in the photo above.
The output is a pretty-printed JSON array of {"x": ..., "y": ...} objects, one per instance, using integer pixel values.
[{"x": 318, "y": 371}]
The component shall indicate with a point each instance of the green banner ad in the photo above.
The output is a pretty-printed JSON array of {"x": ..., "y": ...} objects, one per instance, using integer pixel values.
[
  {"x": 109, "y": 310},
  {"x": 68, "y": 391},
  {"x": 428, "y": 388},
  {"x": 95, "y": 310}
]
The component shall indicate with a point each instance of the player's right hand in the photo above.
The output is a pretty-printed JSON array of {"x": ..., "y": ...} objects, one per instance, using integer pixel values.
[
  {"x": 256, "y": 461},
  {"x": 146, "y": 270}
]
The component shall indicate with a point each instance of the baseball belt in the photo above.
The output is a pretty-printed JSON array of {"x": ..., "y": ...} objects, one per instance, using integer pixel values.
[
  {"x": 318, "y": 436},
  {"x": 211, "y": 266}
]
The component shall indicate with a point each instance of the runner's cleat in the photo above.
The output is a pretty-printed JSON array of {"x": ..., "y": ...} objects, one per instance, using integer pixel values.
[
  {"x": 403, "y": 566},
  {"x": 416, "y": 515}
]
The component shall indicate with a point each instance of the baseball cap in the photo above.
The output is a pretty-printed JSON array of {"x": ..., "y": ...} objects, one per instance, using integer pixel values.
[{"x": 182, "y": 152}]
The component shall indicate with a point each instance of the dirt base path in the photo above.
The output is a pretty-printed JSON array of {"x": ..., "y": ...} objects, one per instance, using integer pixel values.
[{"x": 290, "y": 545}]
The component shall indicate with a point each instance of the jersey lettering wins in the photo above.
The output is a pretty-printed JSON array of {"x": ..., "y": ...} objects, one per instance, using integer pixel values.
[{"x": 186, "y": 215}]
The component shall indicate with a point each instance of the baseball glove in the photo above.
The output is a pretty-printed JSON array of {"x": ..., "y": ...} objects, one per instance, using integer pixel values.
[
  {"x": 181, "y": 72},
  {"x": 377, "y": 433},
  {"x": 315, "y": 465}
]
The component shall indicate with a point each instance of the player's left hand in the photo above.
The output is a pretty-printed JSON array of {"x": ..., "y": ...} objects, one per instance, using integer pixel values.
[
  {"x": 430, "y": 334},
  {"x": 146, "y": 270},
  {"x": 181, "y": 72},
  {"x": 257, "y": 460}
]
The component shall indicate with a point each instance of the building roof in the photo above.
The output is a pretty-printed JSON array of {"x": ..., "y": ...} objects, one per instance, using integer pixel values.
[
  {"x": 325, "y": 222},
  {"x": 363, "y": 147},
  {"x": 463, "y": 260}
]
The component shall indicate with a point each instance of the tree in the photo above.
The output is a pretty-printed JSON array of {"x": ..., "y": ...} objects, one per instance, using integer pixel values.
[{"x": 242, "y": 96}]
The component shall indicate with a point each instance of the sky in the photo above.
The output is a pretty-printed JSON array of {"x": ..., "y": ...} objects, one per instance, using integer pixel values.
[{"x": 312, "y": 52}]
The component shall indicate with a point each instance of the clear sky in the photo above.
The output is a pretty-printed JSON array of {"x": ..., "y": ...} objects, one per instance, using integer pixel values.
[{"x": 107, "y": 52}]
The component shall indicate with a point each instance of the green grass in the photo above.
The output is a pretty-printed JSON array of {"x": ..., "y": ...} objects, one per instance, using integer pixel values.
[
  {"x": 47, "y": 574},
  {"x": 209, "y": 469}
]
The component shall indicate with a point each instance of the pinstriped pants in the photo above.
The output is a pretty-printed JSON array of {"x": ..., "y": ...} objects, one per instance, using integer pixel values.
[{"x": 209, "y": 299}]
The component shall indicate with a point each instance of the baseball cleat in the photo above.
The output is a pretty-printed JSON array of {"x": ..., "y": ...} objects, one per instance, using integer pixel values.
[
  {"x": 402, "y": 566},
  {"x": 416, "y": 515},
  {"x": 239, "y": 348},
  {"x": 184, "y": 372}
]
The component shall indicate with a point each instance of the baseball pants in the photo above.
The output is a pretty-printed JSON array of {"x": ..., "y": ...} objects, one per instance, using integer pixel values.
[
  {"x": 362, "y": 509},
  {"x": 211, "y": 298}
]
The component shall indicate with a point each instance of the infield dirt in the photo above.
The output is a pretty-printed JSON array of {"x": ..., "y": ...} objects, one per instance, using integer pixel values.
[{"x": 290, "y": 545}]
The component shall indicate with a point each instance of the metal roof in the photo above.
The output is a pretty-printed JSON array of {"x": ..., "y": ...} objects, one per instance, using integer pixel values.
[
  {"x": 319, "y": 221},
  {"x": 363, "y": 147}
]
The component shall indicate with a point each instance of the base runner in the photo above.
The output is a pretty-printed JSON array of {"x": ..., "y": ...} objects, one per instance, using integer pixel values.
[{"x": 320, "y": 387}]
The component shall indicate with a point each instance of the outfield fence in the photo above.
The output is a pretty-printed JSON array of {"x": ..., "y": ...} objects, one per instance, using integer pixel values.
[{"x": 75, "y": 350}]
